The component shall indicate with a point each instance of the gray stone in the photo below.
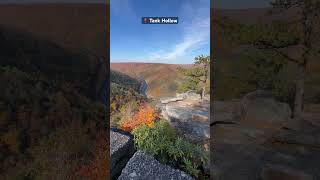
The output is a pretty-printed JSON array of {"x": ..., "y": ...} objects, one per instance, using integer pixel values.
[
  {"x": 279, "y": 172},
  {"x": 144, "y": 167},
  {"x": 263, "y": 142},
  {"x": 121, "y": 150},
  {"x": 190, "y": 118},
  {"x": 172, "y": 99},
  {"x": 190, "y": 95},
  {"x": 226, "y": 111},
  {"x": 259, "y": 107}
]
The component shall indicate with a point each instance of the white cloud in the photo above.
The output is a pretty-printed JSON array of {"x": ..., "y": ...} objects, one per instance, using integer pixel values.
[
  {"x": 121, "y": 8},
  {"x": 196, "y": 33}
]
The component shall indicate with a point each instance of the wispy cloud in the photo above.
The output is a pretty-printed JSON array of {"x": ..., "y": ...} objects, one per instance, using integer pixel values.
[
  {"x": 195, "y": 34},
  {"x": 122, "y": 8}
]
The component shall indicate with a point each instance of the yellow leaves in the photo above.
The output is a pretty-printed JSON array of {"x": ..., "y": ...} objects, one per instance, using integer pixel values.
[{"x": 146, "y": 115}]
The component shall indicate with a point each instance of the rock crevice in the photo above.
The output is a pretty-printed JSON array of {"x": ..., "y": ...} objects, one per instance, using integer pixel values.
[{"x": 121, "y": 150}]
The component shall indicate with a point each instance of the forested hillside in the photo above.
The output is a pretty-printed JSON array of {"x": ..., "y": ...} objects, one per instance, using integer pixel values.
[
  {"x": 51, "y": 125},
  {"x": 125, "y": 97}
]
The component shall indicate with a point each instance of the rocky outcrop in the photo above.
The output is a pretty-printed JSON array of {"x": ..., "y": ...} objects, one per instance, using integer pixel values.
[
  {"x": 226, "y": 112},
  {"x": 274, "y": 172},
  {"x": 180, "y": 97},
  {"x": 144, "y": 167},
  {"x": 255, "y": 138},
  {"x": 260, "y": 107},
  {"x": 189, "y": 115},
  {"x": 121, "y": 150}
]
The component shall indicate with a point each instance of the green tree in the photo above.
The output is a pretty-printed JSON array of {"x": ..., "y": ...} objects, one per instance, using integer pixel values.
[
  {"x": 298, "y": 33},
  {"x": 197, "y": 76}
]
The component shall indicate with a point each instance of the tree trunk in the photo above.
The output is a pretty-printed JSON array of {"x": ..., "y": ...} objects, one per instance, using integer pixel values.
[
  {"x": 206, "y": 67},
  {"x": 299, "y": 94},
  {"x": 203, "y": 92}
]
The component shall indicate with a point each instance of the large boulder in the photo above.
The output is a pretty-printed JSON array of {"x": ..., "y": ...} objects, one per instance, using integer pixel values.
[
  {"x": 144, "y": 167},
  {"x": 260, "y": 107},
  {"x": 190, "y": 117},
  {"x": 226, "y": 111},
  {"x": 255, "y": 138},
  {"x": 121, "y": 150}
]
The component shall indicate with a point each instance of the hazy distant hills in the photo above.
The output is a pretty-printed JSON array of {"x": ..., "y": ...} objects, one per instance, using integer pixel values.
[
  {"x": 81, "y": 26},
  {"x": 162, "y": 79}
]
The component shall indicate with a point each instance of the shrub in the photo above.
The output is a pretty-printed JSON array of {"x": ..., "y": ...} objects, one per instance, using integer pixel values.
[
  {"x": 162, "y": 142},
  {"x": 146, "y": 115}
]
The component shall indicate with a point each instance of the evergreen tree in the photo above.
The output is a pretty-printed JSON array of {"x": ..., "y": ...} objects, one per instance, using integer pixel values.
[
  {"x": 299, "y": 33},
  {"x": 197, "y": 76}
]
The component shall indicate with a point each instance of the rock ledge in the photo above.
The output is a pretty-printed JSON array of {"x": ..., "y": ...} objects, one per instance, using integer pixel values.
[{"x": 144, "y": 167}]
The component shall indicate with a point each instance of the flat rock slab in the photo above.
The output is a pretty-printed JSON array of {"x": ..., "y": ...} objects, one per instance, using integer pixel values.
[
  {"x": 189, "y": 118},
  {"x": 144, "y": 167},
  {"x": 263, "y": 143},
  {"x": 121, "y": 150},
  {"x": 168, "y": 100}
]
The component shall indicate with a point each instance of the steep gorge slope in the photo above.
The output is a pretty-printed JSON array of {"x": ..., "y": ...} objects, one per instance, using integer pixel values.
[
  {"x": 162, "y": 79},
  {"x": 51, "y": 121}
]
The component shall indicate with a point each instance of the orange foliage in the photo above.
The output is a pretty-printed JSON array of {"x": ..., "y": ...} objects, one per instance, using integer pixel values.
[
  {"x": 98, "y": 169},
  {"x": 146, "y": 115}
]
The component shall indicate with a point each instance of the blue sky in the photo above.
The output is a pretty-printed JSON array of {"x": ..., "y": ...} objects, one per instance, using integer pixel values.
[{"x": 132, "y": 41}]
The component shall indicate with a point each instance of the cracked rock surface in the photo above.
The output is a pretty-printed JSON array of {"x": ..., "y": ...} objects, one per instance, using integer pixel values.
[
  {"x": 121, "y": 150},
  {"x": 255, "y": 138},
  {"x": 189, "y": 115},
  {"x": 144, "y": 167}
]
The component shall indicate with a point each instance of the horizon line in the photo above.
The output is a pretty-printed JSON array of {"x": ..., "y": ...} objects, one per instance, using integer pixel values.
[{"x": 139, "y": 62}]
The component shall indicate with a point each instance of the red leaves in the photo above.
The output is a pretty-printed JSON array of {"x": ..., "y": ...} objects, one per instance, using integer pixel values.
[{"x": 146, "y": 115}]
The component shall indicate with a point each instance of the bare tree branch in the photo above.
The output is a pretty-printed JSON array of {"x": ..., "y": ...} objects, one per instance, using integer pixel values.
[{"x": 277, "y": 49}]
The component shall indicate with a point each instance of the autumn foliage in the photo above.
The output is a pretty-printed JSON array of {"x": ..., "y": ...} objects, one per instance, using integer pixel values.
[
  {"x": 98, "y": 168},
  {"x": 146, "y": 115}
]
